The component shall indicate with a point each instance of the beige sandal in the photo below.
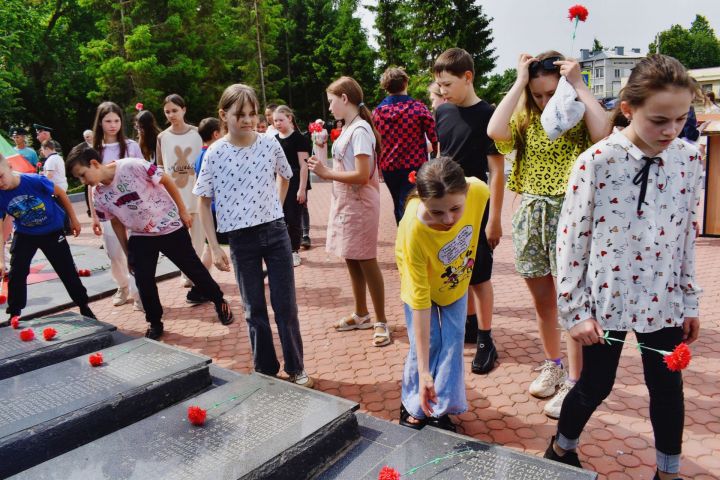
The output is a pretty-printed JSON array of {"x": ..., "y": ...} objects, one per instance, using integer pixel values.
[
  {"x": 380, "y": 339},
  {"x": 354, "y": 322}
]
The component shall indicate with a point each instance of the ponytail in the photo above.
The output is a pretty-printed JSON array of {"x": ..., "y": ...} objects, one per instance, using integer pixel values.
[{"x": 351, "y": 89}]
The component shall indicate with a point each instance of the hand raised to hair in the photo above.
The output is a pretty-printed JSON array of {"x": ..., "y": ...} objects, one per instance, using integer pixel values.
[
  {"x": 570, "y": 69},
  {"x": 523, "y": 68}
]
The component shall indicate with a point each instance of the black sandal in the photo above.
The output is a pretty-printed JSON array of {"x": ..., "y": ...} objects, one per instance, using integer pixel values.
[
  {"x": 442, "y": 422},
  {"x": 404, "y": 415}
]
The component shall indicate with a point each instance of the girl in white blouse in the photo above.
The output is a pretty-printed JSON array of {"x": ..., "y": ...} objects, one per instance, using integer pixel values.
[{"x": 626, "y": 256}]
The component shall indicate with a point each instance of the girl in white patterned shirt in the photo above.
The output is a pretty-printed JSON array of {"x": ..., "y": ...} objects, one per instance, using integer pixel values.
[{"x": 626, "y": 256}]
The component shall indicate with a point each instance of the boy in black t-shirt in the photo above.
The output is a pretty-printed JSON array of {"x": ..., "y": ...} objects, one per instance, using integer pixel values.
[{"x": 462, "y": 132}]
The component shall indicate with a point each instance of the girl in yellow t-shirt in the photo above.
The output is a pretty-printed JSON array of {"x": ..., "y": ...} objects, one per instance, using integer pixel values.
[{"x": 435, "y": 250}]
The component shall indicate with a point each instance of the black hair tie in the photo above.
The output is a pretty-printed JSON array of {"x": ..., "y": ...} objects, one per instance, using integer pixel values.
[{"x": 641, "y": 178}]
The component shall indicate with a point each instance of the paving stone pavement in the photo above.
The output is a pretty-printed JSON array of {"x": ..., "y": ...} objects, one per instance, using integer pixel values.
[{"x": 618, "y": 440}]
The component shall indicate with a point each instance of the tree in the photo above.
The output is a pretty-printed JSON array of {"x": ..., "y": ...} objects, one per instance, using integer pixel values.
[
  {"x": 696, "y": 47},
  {"x": 391, "y": 23},
  {"x": 497, "y": 86},
  {"x": 597, "y": 46}
]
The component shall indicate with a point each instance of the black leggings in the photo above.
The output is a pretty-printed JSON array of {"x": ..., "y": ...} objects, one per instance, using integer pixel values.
[{"x": 600, "y": 362}]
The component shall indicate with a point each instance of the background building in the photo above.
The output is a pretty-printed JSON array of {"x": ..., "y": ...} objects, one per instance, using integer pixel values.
[{"x": 607, "y": 68}]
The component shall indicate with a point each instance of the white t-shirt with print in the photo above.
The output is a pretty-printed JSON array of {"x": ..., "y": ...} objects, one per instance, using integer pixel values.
[
  {"x": 54, "y": 163},
  {"x": 179, "y": 153},
  {"x": 242, "y": 182},
  {"x": 362, "y": 142}
]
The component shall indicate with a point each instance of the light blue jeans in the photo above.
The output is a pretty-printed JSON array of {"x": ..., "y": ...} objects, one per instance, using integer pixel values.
[{"x": 447, "y": 334}]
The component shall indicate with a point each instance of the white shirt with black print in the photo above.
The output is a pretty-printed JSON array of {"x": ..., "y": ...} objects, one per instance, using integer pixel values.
[
  {"x": 629, "y": 269},
  {"x": 242, "y": 182}
]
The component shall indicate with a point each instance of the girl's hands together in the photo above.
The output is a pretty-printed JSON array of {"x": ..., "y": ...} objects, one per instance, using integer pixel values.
[{"x": 587, "y": 332}]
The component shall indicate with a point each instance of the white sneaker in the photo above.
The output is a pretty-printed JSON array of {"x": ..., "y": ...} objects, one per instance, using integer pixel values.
[
  {"x": 296, "y": 259},
  {"x": 302, "y": 379},
  {"x": 120, "y": 297},
  {"x": 551, "y": 376},
  {"x": 137, "y": 306},
  {"x": 554, "y": 405}
]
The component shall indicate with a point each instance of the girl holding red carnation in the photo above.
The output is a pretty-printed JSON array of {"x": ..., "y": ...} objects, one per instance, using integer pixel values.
[{"x": 626, "y": 257}]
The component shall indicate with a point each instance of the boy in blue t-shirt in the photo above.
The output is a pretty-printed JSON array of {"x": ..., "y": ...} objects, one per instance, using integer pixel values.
[{"x": 39, "y": 224}]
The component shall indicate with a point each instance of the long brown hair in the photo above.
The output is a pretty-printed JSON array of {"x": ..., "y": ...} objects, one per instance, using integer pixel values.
[
  {"x": 103, "y": 109},
  {"x": 437, "y": 178},
  {"x": 527, "y": 109},
  {"x": 148, "y": 132},
  {"x": 655, "y": 73},
  {"x": 352, "y": 90}
]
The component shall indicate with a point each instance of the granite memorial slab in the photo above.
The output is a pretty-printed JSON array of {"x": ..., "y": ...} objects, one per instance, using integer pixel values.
[
  {"x": 436, "y": 454},
  {"x": 46, "y": 293},
  {"x": 76, "y": 335},
  {"x": 257, "y": 427},
  {"x": 54, "y": 409}
]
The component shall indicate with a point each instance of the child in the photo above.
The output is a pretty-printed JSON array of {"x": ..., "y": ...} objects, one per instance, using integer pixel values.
[
  {"x": 239, "y": 171},
  {"x": 110, "y": 143},
  {"x": 352, "y": 231},
  {"x": 626, "y": 256},
  {"x": 148, "y": 132},
  {"x": 297, "y": 150},
  {"x": 39, "y": 222},
  {"x": 262, "y": 126},
  {"x": 210, "y": 130},
  {"x": 133, "y": 194},
  {"x": 54, "y": 166},
  {"x": 177, "y": 148},
  {"x": 540, "y": 172},
  {"x": 435, "y": 247},
  {"x": 270, "y": 129},
  {"x": 462, "y": 132},
  {"x": 405, "y": 125}
]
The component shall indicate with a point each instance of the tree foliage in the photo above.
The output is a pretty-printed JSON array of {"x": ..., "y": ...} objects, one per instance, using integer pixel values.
[{"x": 696, "y": 47}]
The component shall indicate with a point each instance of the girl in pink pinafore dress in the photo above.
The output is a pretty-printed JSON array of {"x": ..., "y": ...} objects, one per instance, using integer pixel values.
[{"x": 352, "y": 231}]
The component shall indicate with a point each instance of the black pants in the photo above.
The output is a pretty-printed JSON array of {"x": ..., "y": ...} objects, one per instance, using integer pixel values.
[
  {"x": 600, "y": 362},
  {"x": 143, "y": 253},
  {"x": 305, "y": 216},
  {"x": 399, "y": 186},
  {"x": 293, "y": 212},
  {"x": 57, "y": 251}
]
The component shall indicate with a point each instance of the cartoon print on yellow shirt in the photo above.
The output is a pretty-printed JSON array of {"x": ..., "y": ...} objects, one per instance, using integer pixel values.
[{"x": 456, "y": 256}]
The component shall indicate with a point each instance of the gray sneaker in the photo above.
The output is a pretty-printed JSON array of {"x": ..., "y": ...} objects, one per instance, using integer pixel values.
[
  {"x": 551, "y": 376},
  {"x": 302, "y": 379},
  {"x": 120, "y": 297},
  {"x": 554, "y": 405}
]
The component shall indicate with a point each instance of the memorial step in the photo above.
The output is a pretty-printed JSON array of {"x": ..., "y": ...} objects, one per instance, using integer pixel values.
[
  {"x": 52, "y": 410},
  {"x": 75, "y": 335},
  {"x": 437, "y": 454},
  {"x": 257, "y": 427}
]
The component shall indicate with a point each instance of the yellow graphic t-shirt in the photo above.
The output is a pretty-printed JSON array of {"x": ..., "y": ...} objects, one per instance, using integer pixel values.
[
  {"x": 435, "y": 266},
  {"x": 545, "y": 167}
]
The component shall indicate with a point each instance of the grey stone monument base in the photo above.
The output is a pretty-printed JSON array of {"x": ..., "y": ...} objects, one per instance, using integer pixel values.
[
  {"x": 257, "y": 427},
  {"x": 52, "y": 410},
  {"x": 442, "y": 455},
  {"x": 76, "y": 335}
]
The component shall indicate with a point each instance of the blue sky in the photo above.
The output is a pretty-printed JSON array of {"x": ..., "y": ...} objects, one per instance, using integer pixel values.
[{"x": 533, "y": 26}]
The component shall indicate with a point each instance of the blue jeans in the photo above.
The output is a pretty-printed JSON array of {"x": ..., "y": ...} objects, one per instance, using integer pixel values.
[
  {"x": 248, "y": 248},
  {"x": 447, "y": 334}
]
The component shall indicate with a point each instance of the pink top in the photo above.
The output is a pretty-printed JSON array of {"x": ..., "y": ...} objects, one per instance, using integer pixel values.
[{"x": 136, "y": 198}]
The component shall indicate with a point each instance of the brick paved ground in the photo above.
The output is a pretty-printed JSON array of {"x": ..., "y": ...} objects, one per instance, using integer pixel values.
[{"x": 618, "y": 440}]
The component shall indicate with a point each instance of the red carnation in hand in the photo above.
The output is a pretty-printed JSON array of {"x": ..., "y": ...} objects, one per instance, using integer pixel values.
[
  {"x": 96, "y": 359},
  {"x": 27, "y": 334},
  {"x": 139, "y": 106},
  {"x": 412, "y": 177},
  {"x": 679, "y": 359},
  {"x": 3, "y": 298},
  {"x": 578, "y": 11},
  {"x": 49, "y": 333},
  {"x": 15, "y": 322},
  {"x": 388, "y": 473},
  {"x": 197, "y": 415}
]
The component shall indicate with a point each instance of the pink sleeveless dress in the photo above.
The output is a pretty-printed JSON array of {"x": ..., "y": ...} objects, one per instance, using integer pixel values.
[{"x": 354, "y": 219}]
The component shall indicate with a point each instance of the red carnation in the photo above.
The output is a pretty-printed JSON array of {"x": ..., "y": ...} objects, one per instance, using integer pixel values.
[
  {"x": 412, "y": 177},
  {"x": 578, "y": 11},
  {"x": 96, "y": 359},
  {"x": 388, "y": 473},
  {"x": 15, "y": 322},
  {"x": 3, "y": 298},
  {"x": 679, "y": 359},
  {"x": 139, "y": 106},
  {"x": 49, "y": 333},
  {"x": 315, "y": 127},
  {"x": 27, "y": 334},
  {"x": 196, "y": 415}
]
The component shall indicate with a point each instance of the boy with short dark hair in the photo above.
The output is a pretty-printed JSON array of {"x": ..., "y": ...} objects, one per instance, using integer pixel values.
[
  {"x": 39, "y": 224},
  {"x": 462, "y": 132},
  {"x": 134, "y": 195}
]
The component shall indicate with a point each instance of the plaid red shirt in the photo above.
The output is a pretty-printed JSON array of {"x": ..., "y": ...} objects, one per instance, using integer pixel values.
[{"x": 403, "y": 123}]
